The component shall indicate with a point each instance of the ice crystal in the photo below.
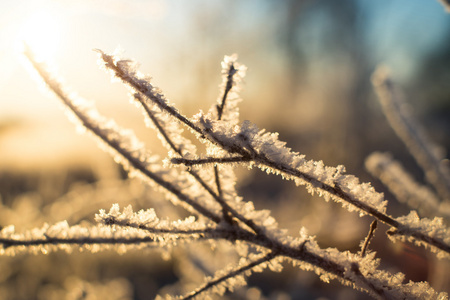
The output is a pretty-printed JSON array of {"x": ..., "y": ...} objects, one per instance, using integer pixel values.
[
  {"x": 227, "y": 108},
  {"x": 412, "y": 225},
  {"x": 148, "y": 221},
  {"x": 398, "y": 112},
  {"x": 272, "y": 155},
  {"x": 400, "y": 183}
]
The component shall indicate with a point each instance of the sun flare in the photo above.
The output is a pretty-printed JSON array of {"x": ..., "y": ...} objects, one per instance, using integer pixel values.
[{"x": 41, "y": 32}]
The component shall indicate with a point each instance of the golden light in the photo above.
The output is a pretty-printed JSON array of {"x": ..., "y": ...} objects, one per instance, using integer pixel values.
[{"x": 41, "y": 31}]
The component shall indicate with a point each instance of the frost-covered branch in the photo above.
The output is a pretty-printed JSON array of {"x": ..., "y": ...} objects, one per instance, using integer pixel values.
[
  {"x": 426, "y": 153},
  {"x": 423, "y": 232},
  {"x": 271, "y": 155},
  {"x": 365, "y": 246},
  {"x": 209, "y": 160},
  {"x": 62, "y": 236},
  {"x": 303, "y": 252},
  {"x": 207, "y": 188},
  {"x": 403, "y": 186},
  {"x": 170, "y": 134},
  {"x": 231, "y": 276},
  {"x": 125, "y": 147},
  {"x": 230, "y": 69},
  {"x": 230, "y": 78},
  {"x": 126, "y": 71}
]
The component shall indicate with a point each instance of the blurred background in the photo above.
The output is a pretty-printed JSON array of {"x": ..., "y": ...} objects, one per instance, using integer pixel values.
[{"x": 309, "y": 67}]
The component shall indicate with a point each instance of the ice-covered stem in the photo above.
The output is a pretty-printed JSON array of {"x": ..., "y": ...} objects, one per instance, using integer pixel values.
[
  {"x": 271, "y": 155},
  {"x": 262, "y": 159},
  {"x": 227, "y": 215},
  {"x": 421, "y": 237},
  {"x": 423, "y": 231},
  {"x": 124, "y": 73},
  {"x": 370, "y": 286},
  {"x": 369, "y": 236},
  {"x": 60, "y": 236},
  {"x": 113, "y": 141},
  {"x": 143, "y": 88},
  {"x": 230, "y": 72},
  {"x": 209, "y": 160},
  {"x": 337, "y": 191},
  {"x": 403, "y": 186},
  {"x": 398, "y": 114},
  {"x": 232, "y": 274},
  {"x": 121, "y": 70},
  {"x": 156, "y": 123},
  {"x": 147, "y": 221},
  {"x": 54, "y": 241},
  {"x": 172, "y": 145}
]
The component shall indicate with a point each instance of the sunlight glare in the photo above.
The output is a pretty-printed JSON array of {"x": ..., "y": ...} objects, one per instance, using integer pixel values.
[{"x": 41, "y": 32}]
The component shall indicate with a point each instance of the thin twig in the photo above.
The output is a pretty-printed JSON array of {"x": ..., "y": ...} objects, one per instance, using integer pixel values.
[
  {"x": 147, "y": 90},
  {"x": 209, "y": 160},
  {"x": 231, "y": 274},
  {"x": 229, "y": 85},
  {"x": 411, "y": 133},
  {"x": 6, "y": 242},
  {"x": 338, "y": 192},
  {"x": 379, "y": 292},
  {"x": 227, "y": 210},
  {"x": 227, "y": 215},
  {"x": 369, "y": 236}
]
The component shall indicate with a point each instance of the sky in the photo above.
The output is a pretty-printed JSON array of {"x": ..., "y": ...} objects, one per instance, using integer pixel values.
[{"x": 180, "y": 43}]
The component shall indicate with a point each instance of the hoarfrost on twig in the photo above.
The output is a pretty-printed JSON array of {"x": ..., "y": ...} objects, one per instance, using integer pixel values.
[{"x": 205, "y": 186}]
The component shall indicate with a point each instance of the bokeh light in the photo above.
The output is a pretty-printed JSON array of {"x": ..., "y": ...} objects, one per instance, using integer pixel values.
[{"x": 42, "y": 32}]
